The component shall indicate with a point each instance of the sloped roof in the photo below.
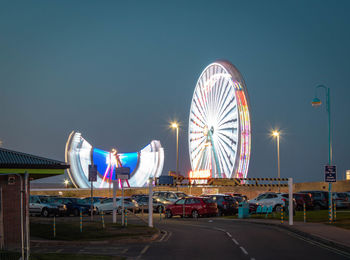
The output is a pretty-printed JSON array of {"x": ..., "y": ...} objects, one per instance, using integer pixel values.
[{"x": 17, "y": 160}]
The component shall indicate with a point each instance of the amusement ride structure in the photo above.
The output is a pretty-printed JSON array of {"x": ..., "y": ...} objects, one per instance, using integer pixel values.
[
  {"x": 79, "y": 154},
  {"x": 219, "y": 123}
]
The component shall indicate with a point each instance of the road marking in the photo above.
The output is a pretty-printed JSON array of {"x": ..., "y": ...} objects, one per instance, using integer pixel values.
[
  {"x": 228, "y": 234},
  {"x": 142, "y": 252},
  {"x": 59, "y": 250},
  {"x": 235, "y": 241},
  {"x": 165, "y": 233},
  {"x": 244, "y": 251},
  {"x": 169, "y": 235},
  {"x": 125, "y": 250},
  {"x": 252, "y": 258}
]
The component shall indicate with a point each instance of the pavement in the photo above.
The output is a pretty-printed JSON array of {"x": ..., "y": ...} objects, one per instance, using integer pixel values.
[{"x": 327, "y": 234}]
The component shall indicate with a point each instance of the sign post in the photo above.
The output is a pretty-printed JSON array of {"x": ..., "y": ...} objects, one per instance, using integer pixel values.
[
  {"x": 150, "y": 202},
  {"x": 122, "y": 173},
  {"x": 330, "y": 176},
  {"x": 92, "y": 179}
]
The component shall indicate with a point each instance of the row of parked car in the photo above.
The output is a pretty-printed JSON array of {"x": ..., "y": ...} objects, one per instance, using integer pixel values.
[
  {"x": 178, "y": 203},
  {"x": 312, "y": 199}
]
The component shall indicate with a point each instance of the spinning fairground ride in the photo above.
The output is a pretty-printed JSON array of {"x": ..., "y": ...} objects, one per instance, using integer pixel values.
[
  {"x": 79, "y": 154},
  {"x": 219, "y": 123}
]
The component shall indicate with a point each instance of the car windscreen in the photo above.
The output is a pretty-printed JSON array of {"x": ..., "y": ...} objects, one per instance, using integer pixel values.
[
  {"x": 208, "y": 200},
  {"x": 46, "y": 200},
  {"x": 181, "y": 194}
]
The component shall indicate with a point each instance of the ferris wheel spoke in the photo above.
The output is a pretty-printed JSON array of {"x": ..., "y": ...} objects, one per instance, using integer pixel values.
[
  {"x": 223, "y": 136},
  {"x": 226, "y": 115},
  {"x": 232, "y": 122},
  {"x": 226, "y": 105},
  {"x": 227, "y": 100},
  {"x": 198, "y": 104},
  {"x": 220, "y": 92},
  {"x": 228, "y": 165}
]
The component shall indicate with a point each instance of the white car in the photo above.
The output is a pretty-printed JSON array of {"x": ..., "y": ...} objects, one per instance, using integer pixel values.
[
  {"x": 107, "y": 205},
  {"x": 270, "y": 199}
]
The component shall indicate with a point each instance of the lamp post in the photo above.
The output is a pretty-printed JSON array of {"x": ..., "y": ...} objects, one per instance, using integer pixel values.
[
  {"x": 316, "y": 102},
  {"x": 277, "y": 135},
  {"x": 176, "y": 126}
]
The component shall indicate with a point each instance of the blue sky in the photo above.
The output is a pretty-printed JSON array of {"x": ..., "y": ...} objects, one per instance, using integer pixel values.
[{"x": 119, "y": 71}]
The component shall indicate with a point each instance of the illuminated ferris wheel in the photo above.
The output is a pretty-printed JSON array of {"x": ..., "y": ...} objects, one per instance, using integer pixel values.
[{"x": 219, "y": 124}]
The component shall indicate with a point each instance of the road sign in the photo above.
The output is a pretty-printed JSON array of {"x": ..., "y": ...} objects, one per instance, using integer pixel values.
[
  {"x": 92, "y": 173},
  {"x": 122, "y": 173},
  {"x": 330, "y": 173}
]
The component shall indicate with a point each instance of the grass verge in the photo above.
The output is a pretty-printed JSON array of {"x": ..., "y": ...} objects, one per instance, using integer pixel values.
[{"x": 92, "y": 231}]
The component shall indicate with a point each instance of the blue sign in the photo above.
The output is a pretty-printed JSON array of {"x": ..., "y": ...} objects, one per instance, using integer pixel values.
[
  {"x": 330, "y": 173},
  {"x": 166, "y": 180},
  {"x": 92, "y": 173}
]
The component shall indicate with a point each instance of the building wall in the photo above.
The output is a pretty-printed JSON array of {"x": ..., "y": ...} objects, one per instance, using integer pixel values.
[{"x": 11, "y": 209}]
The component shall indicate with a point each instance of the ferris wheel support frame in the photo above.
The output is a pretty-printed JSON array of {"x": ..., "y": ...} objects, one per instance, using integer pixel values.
[{"x": 214, "y": 152}]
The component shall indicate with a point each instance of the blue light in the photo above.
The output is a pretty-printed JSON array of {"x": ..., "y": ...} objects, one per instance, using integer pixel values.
[{"x": 100, "y": 158}]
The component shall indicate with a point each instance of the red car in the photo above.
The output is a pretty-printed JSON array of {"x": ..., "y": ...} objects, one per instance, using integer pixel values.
[{"x": 193, "y": 206}]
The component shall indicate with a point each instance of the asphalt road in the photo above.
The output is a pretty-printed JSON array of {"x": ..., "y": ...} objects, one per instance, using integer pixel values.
[
  {"x": 210, "y": 238},
  {"x": 218, "y": 238}
]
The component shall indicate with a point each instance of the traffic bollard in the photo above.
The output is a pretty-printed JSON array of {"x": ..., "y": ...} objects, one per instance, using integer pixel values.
[
  {"x": 103, "y": 219},
  {"x": 282, "y": 215},
  {"x": 330, "y": 213},
  {"x": 335, "y": 212},
  {"x": 304, "y": 213},
  {"x": 81, "y": 220},
  {"x": 54, "y": 226}
]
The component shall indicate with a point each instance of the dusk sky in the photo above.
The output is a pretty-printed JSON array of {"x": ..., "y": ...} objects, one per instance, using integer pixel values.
[{"x": 120, "y": 71}]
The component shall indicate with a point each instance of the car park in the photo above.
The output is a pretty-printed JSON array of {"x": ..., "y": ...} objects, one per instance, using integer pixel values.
[
  {"x": 192, "y": 206},
  {"x": 226, "y": 204},
  {"x": 74, "y": 205},
  {"x": 301, "y": 199},
  {"x": 45, "y": 206},
  {"x": 319, "y": 199},
  {"x": 107, "y": 205},
  {"x": 341, "y": 200},
  {"x": 159, "y": 204},
  {"x": 276, "y": 200},
  {"x": 169, "y": 195}
]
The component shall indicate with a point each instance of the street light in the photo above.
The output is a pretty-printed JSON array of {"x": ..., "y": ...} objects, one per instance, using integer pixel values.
[
  {"x": 176, "y": 126},
  {"x": 66, "y": 183},
  {"x": 316, "y": 102},
  {"x": 277, "y": 135}
]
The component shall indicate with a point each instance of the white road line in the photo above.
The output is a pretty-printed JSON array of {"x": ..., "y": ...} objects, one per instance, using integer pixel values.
[
  {"x": 59, "y": 250},
  {"x": 244, "y": 251},
  {"x": 170, "y": 233},
  {"x": 144, "y": 250},
  {"x": 235, "y": 241},
  {"x": 165, "y": 233},
  {"x": 228, "y": 234},
  {"x": 252, "y": 258},
  {"x": 125, "y": 250}
]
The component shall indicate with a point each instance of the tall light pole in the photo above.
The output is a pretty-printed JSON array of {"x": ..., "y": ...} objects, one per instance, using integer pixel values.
[
  {"x": 277, "y": 135},
  {"x": 316, "y": 102},
  {"x": 176, "y": 126}
]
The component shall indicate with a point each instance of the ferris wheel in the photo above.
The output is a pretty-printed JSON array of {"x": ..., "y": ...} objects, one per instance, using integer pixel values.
[{"x": 219, "y": 123}]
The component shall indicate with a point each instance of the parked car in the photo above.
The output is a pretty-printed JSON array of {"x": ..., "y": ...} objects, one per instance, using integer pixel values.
[
  {"x": 341, "y": 199},
  {"x": 170, "y": 195},
  {"x": 192, "y": 206},
  {"x": 319, "y": 199},
  {"x": 159, "y": 204},
  {"x": 270, "y": 199},
  {"x": 74, "y": 205},
  {"x": 301, "y": 199},
  {"x": 87, "y": 200},
  {"x": 107, "y": 205},
  {"x": 226, "y": 204},
  {"x": 45, "y": 206}
]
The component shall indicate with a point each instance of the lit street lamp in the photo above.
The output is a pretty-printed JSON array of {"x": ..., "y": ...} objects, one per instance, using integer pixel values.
[
  {"x": 316, "y": 102},
  {"x": 176, "y": 126},
  {"x": 277, "y": 135},
  {"x": 66, "y": 183}
]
